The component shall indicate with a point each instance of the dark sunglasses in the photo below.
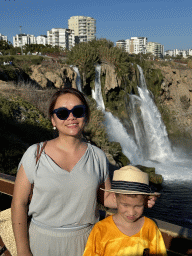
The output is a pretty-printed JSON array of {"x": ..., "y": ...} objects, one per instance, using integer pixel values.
[{"x": 63, "y": 113}]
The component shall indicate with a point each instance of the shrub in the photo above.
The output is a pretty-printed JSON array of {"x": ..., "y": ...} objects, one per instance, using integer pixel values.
[{"x": 185, "y": 103}]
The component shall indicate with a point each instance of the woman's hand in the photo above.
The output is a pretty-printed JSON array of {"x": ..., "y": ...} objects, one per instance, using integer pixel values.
[{"x": 151, "y": 201}]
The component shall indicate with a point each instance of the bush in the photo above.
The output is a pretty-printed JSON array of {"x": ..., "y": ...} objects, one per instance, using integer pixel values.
[
  {"x": 21, "y": 125},
  {"x": 185, "y": 103}
]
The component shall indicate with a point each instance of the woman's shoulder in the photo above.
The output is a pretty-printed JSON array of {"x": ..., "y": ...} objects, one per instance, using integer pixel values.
[
  {"x": 96, "y": 150},
  {"x": 31, "y": 150}
]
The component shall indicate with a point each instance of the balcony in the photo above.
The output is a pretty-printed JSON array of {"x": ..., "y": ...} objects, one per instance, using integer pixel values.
[{"x": 178, "y": 240}]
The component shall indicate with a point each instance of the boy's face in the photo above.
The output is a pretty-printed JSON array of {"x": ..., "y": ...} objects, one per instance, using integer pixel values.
[{"x": 130, "y": 207}]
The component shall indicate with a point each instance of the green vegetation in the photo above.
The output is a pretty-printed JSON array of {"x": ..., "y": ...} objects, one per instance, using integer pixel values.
[
  {"x": 185, "y": 102},
  {"x": 86, "y": 55},
  {"x": 44, "y": 49},
  {"x": 21, "y": 125},
  {"x": 6, "y": 48}
]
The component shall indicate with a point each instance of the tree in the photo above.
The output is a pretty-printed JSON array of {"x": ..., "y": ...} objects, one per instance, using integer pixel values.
[
  {"x": 5, "y": 46},
  {"x": 84, "y": 56}
]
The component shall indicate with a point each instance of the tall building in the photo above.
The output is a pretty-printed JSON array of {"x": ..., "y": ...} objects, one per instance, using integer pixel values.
[
  {"x": 156, "y": 49},
  {"x": 23, "y": 39},
  {"x": 84, "y": 28},
  {"x": 121, "y": 44},
  {"x": 189, "y": 52},
  {"x": 42, "y": 39},
  {"x": 2, "y": 37},
  {"x": 136, "y": 45},
  {"x": 61, "y": 37}
]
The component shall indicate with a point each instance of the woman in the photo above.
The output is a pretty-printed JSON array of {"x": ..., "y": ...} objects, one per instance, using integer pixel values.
[{"x": 66, "y": 180}]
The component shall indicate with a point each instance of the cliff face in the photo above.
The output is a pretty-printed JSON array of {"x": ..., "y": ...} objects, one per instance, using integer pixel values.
[
  {"x": 60, "y": 75},
  {"x": 55, "y": 77},
  {"x": 176, "y": 94},
  {"x": 111, "y": 79}
]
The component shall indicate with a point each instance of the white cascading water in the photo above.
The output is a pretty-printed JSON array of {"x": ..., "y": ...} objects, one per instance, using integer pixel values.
[
  {"x": 115, "y": 129},
  {"x": 78, "y": 79},
  {"x": 97, "y": 94},
  {"x": 156, "y": 145},
  {"x": 151, "y": 146}
]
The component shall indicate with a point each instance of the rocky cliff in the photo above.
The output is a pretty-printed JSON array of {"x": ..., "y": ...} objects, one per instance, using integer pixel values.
[
  {"x": 55, "y": 76},
  {"x": 176, "y": 94},
  {"x": 58, "y": 75},
  {"x": 111, "y": 79}
]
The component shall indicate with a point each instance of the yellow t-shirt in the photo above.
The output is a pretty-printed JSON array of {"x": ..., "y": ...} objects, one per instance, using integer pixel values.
[{"x": 107, "y": 240}]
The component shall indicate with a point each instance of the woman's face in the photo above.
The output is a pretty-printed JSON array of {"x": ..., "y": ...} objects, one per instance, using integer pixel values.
[{"x": 72, "y": 126}]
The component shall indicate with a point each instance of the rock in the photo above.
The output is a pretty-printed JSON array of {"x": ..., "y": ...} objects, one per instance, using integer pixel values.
[
  {"x": 46, "y": 76},
  {"x": 153, "y": 177},
  {"x": 55, "y": 79},
  {"x": 176, "y": 94},
  {"x": 111, "y": 79}
]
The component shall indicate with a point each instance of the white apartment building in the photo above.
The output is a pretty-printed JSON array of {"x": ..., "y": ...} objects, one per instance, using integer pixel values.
[
  {"x": 61, "y": 37},
  {"x": 182, "y": 53},
  {"x": 176, "y": 52},
  {"x": 156, "y": 49},
  {"x": 189, "y": 52},
  {"x": 169, "y": 53},
  {"x": 84, "y": 28},
  {"x": 23, "y": 39},
  {"x": 42, "y": 39},
  {"x": 136, "y": 45},
  {"x": 121, "y": 44},
  {"x": 2, "y": 37}
]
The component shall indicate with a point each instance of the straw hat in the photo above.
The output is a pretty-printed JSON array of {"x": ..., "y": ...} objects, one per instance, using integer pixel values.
[{"x": 130, "y": 180}]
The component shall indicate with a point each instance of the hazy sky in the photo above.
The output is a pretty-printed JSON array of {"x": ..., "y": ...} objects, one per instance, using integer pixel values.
[{"x": 164, "y": 21}]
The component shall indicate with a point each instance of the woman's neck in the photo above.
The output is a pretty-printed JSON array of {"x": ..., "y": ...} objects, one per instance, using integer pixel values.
[{"x": 68, "y": 143}]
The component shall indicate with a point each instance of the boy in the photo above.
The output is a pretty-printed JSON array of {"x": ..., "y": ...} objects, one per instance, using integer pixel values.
[{"x": 128, "y": 232}]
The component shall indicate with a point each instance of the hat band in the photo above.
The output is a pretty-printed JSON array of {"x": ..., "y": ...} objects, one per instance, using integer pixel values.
[{"x": 130, "y": 186}]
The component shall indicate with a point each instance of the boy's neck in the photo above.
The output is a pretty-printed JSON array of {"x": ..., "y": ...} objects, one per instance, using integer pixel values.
[{"x": 128, "y": 228}]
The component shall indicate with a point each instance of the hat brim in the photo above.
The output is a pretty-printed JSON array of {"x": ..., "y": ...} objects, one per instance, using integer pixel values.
[{"x": 127, "y": 192}]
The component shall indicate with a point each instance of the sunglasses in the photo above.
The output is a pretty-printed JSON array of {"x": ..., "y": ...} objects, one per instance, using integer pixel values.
[{"x": 63, "y": 113}]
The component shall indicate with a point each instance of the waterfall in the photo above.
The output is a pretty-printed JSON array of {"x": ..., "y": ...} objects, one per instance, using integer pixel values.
[
  {"x": 150, "y": 132},
  {"x": 150, "y": 145},
  {"x": 115, "y": 129},
  {"x": 78, "y": 79},
  {"x": 97, "y": 94}
]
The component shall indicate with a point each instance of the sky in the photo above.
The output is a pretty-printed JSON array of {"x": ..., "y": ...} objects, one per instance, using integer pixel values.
[{"x": 168, "y": 22}]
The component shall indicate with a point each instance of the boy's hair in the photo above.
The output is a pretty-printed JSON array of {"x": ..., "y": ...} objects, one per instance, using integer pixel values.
[
  {"x": 132, "y": 195},
  {"x": 145, "y": 197}
]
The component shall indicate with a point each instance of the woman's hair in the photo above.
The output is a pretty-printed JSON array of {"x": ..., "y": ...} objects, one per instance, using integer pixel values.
[{"x": 73, "y": 91}]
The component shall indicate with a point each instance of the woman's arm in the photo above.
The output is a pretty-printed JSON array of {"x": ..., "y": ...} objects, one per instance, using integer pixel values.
[
  {"x": 106, "y": 198},
  {"x": 19, "y": 207}
]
